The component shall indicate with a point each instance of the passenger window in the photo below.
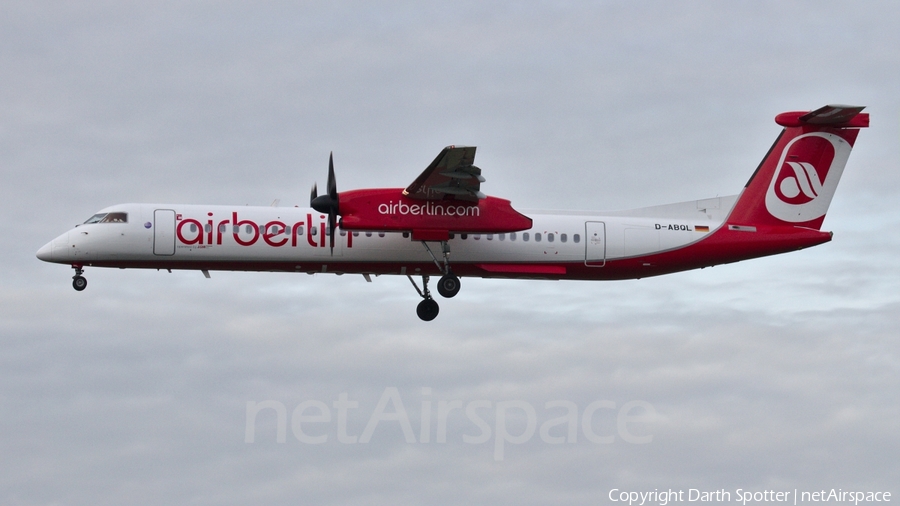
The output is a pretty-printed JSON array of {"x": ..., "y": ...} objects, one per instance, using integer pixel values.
[
  {"x": 490, "y": 237},
  {"x": 368, "y": 234},
  {"x": 343, "y": 233},
  {"x": 222, "y": 228},
  {"x": 300, "y": 230},
  {"x": 550, "y": 237},
  {"x": 537, "y": 237},
  {"x": 576, "y": 238},
  {"x": 562, "y": 238},
  {"x": 356, "y": 234},
  {"x": 512, "y": 236},
  {"x": 463, "y": 236},
  {"x": 249, "y": 229},
  {"x": 525, "y": 236},
  {"x": 207, "y": 228},
  {"x": 476, "y": 236},
  {"x": 502, "y": 237},
  {"x": 193, "y": 227},
  {"x": 380, "y": 234},
  {"x": 406, "y": 235},
  {"x": 313, "y": 230}
]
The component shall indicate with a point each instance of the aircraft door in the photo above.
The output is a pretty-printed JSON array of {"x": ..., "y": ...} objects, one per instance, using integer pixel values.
[
  {"x": 163, "y": 232},
  {"x": 595, "y": 243}
]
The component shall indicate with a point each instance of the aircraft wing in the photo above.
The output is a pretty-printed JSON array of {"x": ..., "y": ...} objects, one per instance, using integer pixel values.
[{"x": 451, "y": 176}]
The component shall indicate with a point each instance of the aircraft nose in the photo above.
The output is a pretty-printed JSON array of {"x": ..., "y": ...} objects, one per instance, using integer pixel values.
[
  {"x": 56, "y": 251},
  {"x": 46, "y": 252}
]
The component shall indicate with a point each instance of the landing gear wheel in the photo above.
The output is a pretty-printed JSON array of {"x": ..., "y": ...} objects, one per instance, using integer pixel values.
[
  {"x": 79, "y": 283},
  {"x": 427, "y": 310},
  {"x": 448, "y": 285}
]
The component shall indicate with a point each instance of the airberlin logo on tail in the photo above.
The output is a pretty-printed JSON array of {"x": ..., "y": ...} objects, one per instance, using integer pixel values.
[
  {"x": 807, "y": 175},
  {"x": 801, "y": 186}
]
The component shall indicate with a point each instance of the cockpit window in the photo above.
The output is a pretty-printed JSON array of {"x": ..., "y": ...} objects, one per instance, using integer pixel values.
[
  {"x": 95, "y": 218},
  {"x": 116, "y": 218},
  {"x": 108, "y": 218}
]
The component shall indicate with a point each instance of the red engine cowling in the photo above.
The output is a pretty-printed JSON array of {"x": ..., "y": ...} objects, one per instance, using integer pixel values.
[{"x": 388, "y": 209}]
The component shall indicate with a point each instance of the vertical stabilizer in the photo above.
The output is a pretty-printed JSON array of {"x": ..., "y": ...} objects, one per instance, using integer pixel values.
[{"x": 796, "y": 180}]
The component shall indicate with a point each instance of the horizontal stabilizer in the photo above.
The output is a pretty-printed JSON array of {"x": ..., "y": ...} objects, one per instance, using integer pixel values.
[{"x": 828, "y": 116}]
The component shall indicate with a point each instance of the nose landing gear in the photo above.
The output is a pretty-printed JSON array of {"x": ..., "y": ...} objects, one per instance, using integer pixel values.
[{"x": 79, "y": 282}]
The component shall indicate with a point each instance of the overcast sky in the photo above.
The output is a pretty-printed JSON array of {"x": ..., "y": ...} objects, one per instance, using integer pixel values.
[{"x": 778, "y": 373}]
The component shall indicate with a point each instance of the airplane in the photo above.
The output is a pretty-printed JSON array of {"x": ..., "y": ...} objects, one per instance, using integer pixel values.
[{"x": 412, "y": 231}]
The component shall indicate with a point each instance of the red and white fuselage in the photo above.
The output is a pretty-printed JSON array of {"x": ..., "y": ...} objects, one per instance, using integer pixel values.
[
  {"x": 559, "y": 245},
  {"x": 383, "y": 231}
]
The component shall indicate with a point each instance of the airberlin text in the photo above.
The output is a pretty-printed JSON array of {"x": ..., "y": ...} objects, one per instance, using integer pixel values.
[
  {"x": 245, "y": 232},
  {"x": 427, "y": 209}
]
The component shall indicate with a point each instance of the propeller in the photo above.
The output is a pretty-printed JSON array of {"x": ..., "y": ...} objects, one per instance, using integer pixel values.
[{"x": 328, "y": 203}]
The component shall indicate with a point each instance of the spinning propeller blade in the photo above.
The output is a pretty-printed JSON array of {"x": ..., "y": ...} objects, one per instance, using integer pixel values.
[{"x": 328, "y": 203}]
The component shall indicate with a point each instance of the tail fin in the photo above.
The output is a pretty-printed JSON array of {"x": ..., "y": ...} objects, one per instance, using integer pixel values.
[{"x": 795, "y": 182}]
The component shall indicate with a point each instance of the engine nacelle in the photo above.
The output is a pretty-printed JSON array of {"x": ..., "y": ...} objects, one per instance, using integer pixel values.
[{"x": 388, "y": 209}]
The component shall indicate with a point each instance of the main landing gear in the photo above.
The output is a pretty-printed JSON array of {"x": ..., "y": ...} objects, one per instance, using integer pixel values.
[
  {"x": 427, "y": 309},
  {"x": 448, "y": 286},
  {"x": 79, "y": 282}
]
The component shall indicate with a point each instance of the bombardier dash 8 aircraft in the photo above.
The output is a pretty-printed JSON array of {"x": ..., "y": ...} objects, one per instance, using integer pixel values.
[{"x": 412, "y": 232}]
